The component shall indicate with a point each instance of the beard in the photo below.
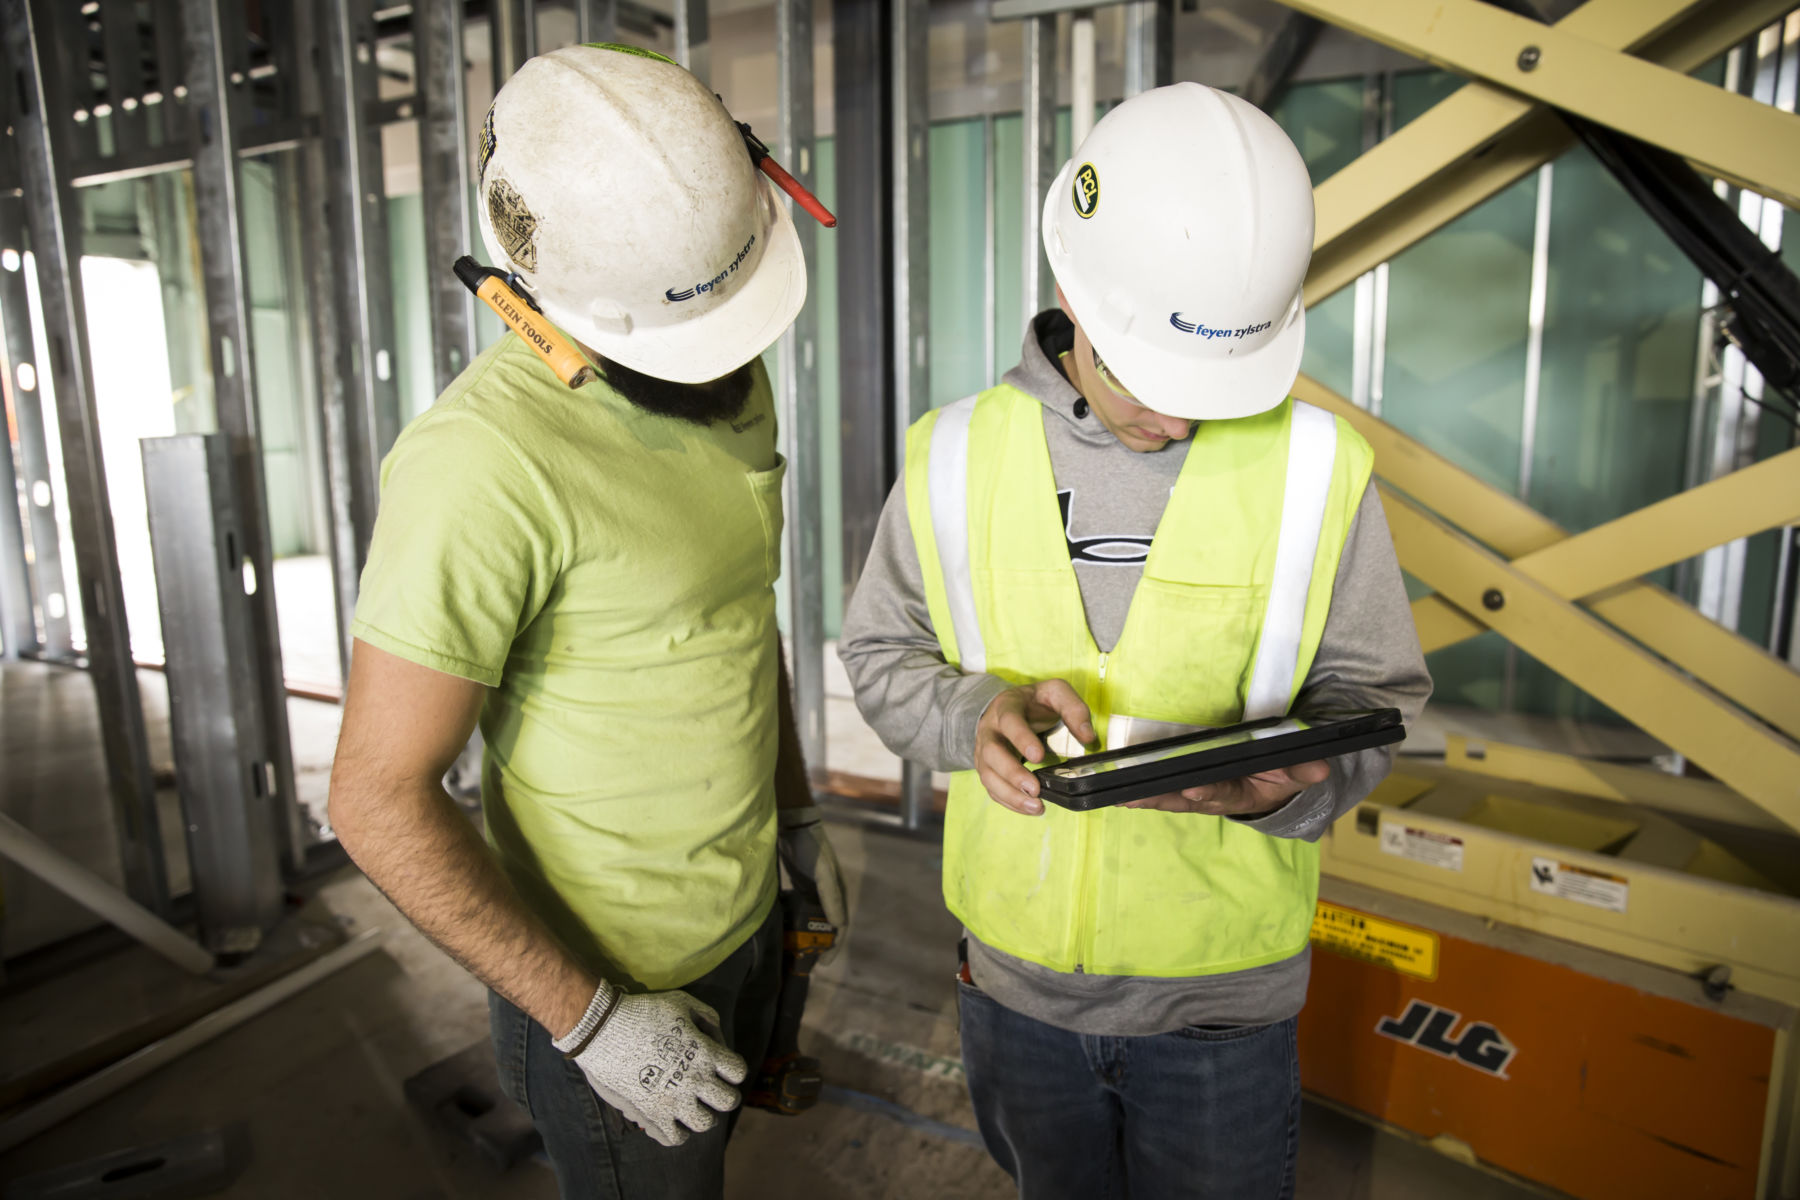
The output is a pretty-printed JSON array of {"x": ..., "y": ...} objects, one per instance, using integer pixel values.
[{"x": 720, "y": 399}]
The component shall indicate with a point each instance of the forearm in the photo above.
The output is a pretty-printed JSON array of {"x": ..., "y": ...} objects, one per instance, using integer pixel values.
[
  {"x": 427, "y": 858},
  {"x": 921, "y": 707}
]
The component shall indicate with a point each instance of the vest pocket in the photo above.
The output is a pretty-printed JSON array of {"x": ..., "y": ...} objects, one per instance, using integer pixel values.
[
  {"x": 1014, "y": 628},
  {"x": 1203, "y": 635},
  {"x": 765, "y": 493}
]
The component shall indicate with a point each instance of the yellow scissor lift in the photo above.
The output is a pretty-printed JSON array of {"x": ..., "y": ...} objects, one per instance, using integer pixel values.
[{"x": 1583, "y": 973}]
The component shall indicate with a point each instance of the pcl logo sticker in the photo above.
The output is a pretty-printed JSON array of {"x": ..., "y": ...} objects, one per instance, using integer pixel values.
[
  {"x": 1086, "y": 191},
  {"x": 1428, "y": 1027}
]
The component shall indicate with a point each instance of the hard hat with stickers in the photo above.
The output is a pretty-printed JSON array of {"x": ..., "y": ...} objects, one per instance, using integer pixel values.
[
  {"x": 1187, "y": 279},
  {"x": 618, "y": 198}
]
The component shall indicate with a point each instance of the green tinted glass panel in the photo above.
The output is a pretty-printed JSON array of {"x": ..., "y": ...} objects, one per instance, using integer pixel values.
[
  {"x": 958, "y": 261},
  {"x": 1325, "y": 120},
  {"x": 412, "y": 316},
  {"x": 1454, "y": 376},
  {"x": 1009, "y": 241},
  {"x": 1620, "y": 319},
  {"x": 1009, "y": 232}
]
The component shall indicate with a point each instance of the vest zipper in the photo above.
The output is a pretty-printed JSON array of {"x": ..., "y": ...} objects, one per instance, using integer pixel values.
[{"x": 1082, "y": 933}]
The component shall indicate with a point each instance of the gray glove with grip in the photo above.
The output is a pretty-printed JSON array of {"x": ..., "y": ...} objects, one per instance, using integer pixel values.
[{"x": 657, "y": 1058}]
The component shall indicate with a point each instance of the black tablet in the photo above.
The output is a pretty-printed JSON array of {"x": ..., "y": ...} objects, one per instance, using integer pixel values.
[{"x": 1191, "y": 759}]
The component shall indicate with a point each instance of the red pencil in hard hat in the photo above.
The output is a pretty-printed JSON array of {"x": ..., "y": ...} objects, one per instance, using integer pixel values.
[{"x": 759, "y": 154}]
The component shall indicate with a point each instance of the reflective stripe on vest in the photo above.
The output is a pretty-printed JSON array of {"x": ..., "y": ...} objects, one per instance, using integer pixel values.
[
  {"x": 1312, "y": 449},
  {"x": 949, "y": 474}
]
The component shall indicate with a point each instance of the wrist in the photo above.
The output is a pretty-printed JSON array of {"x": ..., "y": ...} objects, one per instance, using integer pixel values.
[
  {"x": 593, "y": 1016},
  {"x": 966, "y": 713}
]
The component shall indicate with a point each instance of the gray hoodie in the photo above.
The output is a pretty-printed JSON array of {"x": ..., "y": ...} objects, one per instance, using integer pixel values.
[{"x": 926, "y": 710}]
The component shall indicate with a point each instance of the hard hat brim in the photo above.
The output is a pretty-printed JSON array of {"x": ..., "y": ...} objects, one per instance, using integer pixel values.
[
  {"x": 1198, "y": 389},
  {"x": 724, "y": 339},
  {"x": 1189, "y": 387}
]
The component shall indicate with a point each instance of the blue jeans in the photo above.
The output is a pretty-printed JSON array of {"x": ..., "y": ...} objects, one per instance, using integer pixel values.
[
  {"x": 1211, "y": 1113},
  {"x": 599, "y": 1155}
]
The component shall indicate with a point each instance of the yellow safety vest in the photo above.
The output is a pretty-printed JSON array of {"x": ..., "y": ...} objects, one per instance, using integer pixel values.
[{"x": 1223, "y": 627}]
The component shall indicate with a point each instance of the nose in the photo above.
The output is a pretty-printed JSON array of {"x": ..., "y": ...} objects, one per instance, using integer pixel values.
[{"x": 1173, "y": 428}]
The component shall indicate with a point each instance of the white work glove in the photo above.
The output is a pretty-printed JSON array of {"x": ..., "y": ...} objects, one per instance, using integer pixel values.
[
  {"x": 657, "y": 1058},
  {"x": 812, "y": 863}
]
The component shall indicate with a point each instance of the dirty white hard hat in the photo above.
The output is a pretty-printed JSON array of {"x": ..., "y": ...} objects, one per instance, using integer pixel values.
[
  {"x": 617, "y": 187},
  {"x": 1180, "y": 233}
]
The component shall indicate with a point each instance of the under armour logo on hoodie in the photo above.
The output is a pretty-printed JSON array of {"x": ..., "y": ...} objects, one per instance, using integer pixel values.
[{"x": 1107, "y": 550}]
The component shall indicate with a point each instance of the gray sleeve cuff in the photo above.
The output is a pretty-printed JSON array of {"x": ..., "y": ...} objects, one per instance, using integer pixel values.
[
  {"x": 1310, "y": 813},
  {"x": 973, "y": 695},
  {"x": 1305, "y": 817}
]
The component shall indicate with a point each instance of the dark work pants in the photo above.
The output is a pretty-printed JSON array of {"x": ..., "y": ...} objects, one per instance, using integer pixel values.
[
  {"x": 1206, "y": 1113},
  {"x": 596, "y": 1152}
]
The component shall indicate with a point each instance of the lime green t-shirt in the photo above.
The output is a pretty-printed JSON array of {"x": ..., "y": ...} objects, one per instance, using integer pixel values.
[{"x": 608, "y": 573}]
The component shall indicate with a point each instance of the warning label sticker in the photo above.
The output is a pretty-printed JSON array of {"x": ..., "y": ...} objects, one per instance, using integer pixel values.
[
  {"x": 1403, "y": 948},
  {"x": 1422, "y": 845},
  {"x": 1584, "y": 885}
]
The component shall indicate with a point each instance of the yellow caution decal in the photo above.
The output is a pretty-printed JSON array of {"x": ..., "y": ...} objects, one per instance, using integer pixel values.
[{"x": 1403, "y": 948}]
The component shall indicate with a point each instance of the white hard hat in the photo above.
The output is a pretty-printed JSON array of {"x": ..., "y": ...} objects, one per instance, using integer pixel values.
[
  {"x": 620, "y": 191},
  {"x": 1180, "y": 233}
]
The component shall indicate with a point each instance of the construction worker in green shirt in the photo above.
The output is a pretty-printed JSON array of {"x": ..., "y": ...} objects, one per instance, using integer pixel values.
[{"x": 588, "y": 574}]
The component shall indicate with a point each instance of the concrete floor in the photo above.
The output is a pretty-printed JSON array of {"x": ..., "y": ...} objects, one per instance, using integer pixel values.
[{"x": 317, "y": 1081}]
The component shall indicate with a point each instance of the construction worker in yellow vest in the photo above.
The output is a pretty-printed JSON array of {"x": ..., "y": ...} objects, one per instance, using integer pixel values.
[
  {"x": 587, "y": 572},
  {"x": 1138, "y": 531}
]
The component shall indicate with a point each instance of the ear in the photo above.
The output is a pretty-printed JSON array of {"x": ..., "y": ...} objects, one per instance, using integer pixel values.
[{"x": 1062, "y": 302}]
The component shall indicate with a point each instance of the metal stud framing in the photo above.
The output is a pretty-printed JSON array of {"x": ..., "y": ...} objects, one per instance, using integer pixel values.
[
  {"x": 18, "y": 627},
  {"x": 512, "y": 36},
  {"x": 352, "y": 292},
  {"x": 1039, "y": 140},
  {"x": 445, "y": 183},
  {"x": 48, "y": 211},
  {"x": 212, "y": 29},
  {"x": 860, "y": 34},
  {"x": 911, "y": 132},
  {"x": 1149, "y": 45},
  {"x": 34, "y": 622},
  {"x": 1082, "y": 66},
  {"x": 798, "y": 356},
  {"x": 596, "y": 20},
  {"x": 692, "y": 38},
  {"x": 198, "y": 520}
]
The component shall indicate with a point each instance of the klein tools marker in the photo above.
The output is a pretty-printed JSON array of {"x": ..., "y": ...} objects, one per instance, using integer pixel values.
[{"x": 495, "y": 289}]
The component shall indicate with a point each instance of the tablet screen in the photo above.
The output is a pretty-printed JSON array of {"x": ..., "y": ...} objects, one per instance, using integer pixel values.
[{"x": 1201, "y": 746}]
